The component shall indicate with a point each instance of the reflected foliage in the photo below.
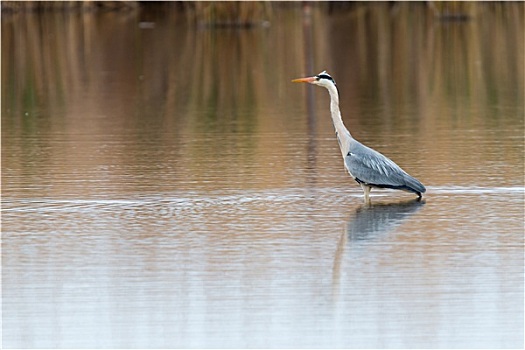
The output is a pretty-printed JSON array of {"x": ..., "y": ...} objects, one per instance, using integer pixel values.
[{"x": 408, "y": 80}]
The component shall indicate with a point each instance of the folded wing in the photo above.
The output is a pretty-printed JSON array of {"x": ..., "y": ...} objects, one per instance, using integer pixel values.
[{"x": 374, "y": 169}]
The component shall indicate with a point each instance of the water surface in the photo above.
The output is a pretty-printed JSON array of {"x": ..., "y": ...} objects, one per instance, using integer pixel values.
[{"x": 169, "y": 187}]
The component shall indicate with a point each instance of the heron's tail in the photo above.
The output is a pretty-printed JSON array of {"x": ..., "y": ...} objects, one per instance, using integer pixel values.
[{"x": 412, "y": 184}]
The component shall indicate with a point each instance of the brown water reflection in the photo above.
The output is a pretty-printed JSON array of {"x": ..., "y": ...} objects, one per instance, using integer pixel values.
[{"x": 169, "y": 186}]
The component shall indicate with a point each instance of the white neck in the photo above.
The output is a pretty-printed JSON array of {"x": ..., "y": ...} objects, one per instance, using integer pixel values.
[{"x": 343, "y": 135}]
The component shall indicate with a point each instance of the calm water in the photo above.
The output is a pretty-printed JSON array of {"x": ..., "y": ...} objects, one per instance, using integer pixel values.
[{"x": 166, "y": 186}]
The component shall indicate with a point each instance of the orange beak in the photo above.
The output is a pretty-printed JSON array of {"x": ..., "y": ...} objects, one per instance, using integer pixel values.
[{"x": 304, "y": 80}]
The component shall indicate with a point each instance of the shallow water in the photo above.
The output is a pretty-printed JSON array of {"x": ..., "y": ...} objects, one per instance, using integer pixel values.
[{"x": 154, "y": 197}]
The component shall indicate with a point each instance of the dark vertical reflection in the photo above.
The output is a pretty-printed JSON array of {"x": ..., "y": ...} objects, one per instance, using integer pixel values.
[{"x": 309, "y": 69}]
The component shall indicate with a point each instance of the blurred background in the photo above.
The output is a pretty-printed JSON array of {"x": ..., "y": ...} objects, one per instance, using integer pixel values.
[
  {"x": 87, "y": 64},
  {"x": 164, "y": 184}
]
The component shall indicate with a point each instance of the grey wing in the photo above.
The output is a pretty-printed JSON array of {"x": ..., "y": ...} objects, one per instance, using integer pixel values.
[{"x": 372, "y": 168}]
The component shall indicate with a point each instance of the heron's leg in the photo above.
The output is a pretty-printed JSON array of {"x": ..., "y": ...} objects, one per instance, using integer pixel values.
[{"x": 366, "y": 190}]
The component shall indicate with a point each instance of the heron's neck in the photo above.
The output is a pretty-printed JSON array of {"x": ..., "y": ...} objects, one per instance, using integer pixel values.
[{"x": 343, "y": 135}]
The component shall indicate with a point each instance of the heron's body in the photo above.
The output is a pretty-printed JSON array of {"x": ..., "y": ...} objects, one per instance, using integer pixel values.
[{"x": 365, "y": 165}]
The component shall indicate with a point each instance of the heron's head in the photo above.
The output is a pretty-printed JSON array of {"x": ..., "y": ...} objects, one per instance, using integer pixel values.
[{"x": 321, "y": 79}]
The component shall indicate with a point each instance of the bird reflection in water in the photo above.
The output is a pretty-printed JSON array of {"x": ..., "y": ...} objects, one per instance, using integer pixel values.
[{"x": 369, "y": 222}]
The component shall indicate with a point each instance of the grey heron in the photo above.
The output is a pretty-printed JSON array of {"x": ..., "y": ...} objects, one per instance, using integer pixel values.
[{"x": 369, "y": 168}]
